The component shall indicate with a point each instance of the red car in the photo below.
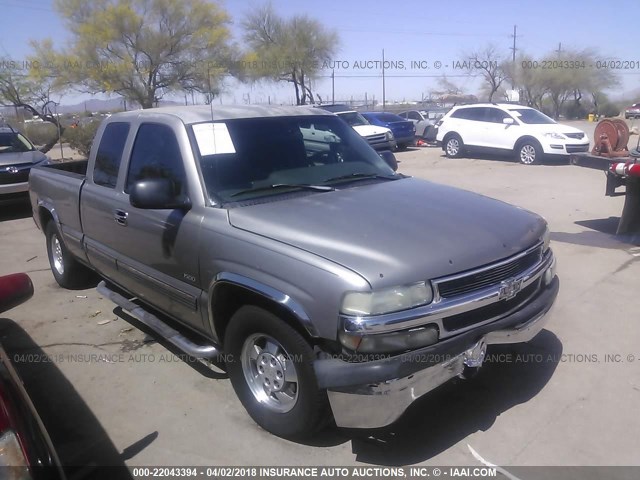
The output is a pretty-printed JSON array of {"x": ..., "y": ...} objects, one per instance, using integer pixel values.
[
  {"x": 26, "y": 451},
  {"x": 632, "y": 112}
]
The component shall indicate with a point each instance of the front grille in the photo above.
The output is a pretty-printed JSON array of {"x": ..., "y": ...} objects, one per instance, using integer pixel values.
[
  {"x": 577, "y": 148},
  {"x": 7, "y": 178},
  {"x": 376, "y": 138},
  {"x": 578, "y": 136},
  {"x": 489, "y": 276},
  {"x": 492, "y": 311}
]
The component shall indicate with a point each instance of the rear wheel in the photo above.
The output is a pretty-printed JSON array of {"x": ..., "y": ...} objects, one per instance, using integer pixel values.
[
  {"x": 529, "y": 152},
  {"x": 68, "y": 272},
  {"x": 453, "y": 146},
  {"x": 271, "y": 369}
]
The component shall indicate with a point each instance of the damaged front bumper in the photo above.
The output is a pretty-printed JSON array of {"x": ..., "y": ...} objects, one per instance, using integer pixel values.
[{"x": 376, "y": 393}]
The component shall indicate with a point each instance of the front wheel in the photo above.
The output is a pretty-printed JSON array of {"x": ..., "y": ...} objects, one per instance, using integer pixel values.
[
  {"x": 529, "y": 153},
  {"x": 271, "y": 369},
  {"x": 68, "y": 272}
]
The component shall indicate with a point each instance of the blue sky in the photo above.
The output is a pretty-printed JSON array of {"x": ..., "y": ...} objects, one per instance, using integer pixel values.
[{"x": 410, "y": 30}]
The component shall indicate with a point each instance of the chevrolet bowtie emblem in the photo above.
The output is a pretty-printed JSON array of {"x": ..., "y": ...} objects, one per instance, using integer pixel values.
[{"x": 509, "y": 289}]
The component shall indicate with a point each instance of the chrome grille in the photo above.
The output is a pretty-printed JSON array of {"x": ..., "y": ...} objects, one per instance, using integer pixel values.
[
  {"x": 491, "y": 275},
  {"x": 578, "y": 136},
  {"x": 492, "y": 311},
  {"x": 7, "y": 177},
  {"x": 376, "y": 138}
]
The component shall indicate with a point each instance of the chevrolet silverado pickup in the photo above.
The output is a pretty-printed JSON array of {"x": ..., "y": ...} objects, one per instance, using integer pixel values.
[{"x": 277, "y": 241}]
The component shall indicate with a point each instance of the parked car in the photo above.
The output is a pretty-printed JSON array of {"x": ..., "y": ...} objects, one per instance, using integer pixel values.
[
  {"x": 403, "y": 130},
  {"x": 380, "y": 138},
  {"x": 26, "y": 451},
  {"x": 632, "y": 112},
  {"x": 507, "y": 128},
  {"x": 17, "y": 157},
  {"x": 264, "y": 233},
  {"x": 424, "y": 121}
]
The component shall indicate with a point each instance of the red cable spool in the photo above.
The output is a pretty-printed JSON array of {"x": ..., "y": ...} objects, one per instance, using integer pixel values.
[
  {"x": 611, "y": 137},
  {"x": 623, "y": 133}
]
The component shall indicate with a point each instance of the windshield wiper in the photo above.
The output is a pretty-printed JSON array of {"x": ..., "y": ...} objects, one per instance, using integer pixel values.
[
  {"x": 277, "y": 186},
  {"x": 365, "y": 176}
]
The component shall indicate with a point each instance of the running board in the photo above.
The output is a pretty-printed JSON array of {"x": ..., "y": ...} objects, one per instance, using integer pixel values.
[{"x": 157, "y": 325}]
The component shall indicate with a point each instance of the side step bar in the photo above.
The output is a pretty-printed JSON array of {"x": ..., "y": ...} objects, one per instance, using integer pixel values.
[{"x": 164, "y": 330}]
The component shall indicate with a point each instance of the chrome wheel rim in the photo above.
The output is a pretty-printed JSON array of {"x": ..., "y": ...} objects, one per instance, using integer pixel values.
[
  {"x": 527, "y": 154},
  {"x": 56, "y": 254},
  {"x": 270, "y": 373},
  {"x": 453, "y": 147}
]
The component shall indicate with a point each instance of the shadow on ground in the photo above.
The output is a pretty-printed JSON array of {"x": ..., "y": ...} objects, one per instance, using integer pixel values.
[
  {"x": 512, "y": 374},
  {"x": 601, "y": 234},
  {"x": 509, "y": 158},
  {"x": 79, "y": 438}
]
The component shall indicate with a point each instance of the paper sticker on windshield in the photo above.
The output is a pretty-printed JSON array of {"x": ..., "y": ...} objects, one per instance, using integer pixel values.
[{"x": 213, "y": 138}]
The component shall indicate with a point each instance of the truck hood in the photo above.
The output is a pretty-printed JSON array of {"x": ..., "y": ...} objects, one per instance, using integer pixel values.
[
  {"x": 396, "y": 232},
  {"x": 21, "y": 158},
  {"x": 368, "y": 130}
]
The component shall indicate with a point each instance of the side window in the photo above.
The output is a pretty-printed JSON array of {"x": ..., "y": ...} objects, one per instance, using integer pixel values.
[
  {"x": 462, "y": 113},
  {"x": 156, "y": 154},
  {"x": 109, "y": 156},
  {"x": 414, "y": 116},
  {"x": 496, "y": 115}
]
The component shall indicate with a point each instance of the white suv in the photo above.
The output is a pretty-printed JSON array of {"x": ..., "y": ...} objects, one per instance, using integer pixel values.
[{"x": 523, "y": 131}]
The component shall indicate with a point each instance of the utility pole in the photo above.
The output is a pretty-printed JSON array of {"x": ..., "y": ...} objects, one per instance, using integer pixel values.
[
  {"x": 513, "y": 56},
  {"x": 384, "y": 97},
  {"x": 559, "y": 51},
  {"x": 333, "y": 86}
]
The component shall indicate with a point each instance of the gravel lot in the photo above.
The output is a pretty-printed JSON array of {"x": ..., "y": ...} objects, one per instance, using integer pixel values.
[{"x": 110, "y": 393}]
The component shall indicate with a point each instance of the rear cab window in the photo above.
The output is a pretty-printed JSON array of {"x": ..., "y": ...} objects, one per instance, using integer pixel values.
[{"x": 109, "y": 155}]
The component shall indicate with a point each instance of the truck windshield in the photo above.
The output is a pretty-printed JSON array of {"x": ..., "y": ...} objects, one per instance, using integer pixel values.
[{"x": 257, "y": 157}]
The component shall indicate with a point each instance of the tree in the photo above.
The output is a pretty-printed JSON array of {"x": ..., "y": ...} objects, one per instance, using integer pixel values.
[
  {"x": 31, "y": 90},
  {"x": 144, "y": 49},
  {"x": 530, "y": 82},
  {"x": 287, "y": 50},
  {"x": 492, "y": 67},
  {"x": 563, "y": 80}
]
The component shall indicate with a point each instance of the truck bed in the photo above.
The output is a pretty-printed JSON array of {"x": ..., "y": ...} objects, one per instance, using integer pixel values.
[{"x": 59, "y": 185}]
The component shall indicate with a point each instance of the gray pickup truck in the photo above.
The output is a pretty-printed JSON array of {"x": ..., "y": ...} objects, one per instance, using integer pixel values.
[{"x": 277, "y": 241}]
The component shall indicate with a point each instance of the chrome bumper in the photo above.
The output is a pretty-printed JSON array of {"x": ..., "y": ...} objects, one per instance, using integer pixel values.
[{"x": 379, "y": 404}]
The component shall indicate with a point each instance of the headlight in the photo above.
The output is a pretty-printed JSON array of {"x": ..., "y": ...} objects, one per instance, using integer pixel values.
[
  {"x": 390, "y": 342},
  {"x": 389, "y": 135},
  {"x": 387, "y": 300},
  {"x": 546, "y": 239},
  {"x": 555, "y": 135}
]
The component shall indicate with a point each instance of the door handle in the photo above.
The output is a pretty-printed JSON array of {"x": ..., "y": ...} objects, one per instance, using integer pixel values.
[{"x": 120, "y": 216}]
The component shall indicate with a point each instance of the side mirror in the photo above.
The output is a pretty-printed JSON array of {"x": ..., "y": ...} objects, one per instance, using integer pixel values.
[
  {"x": 157, "y": 194},
  {"x": 508, "y": 121},
  {"x": 389, "y": 158},
  {"x": 14, "y": 290}
]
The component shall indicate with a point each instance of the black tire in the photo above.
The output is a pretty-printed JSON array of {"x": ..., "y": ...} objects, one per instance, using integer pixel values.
[
  {"x": 309, "y": 411},
  {"x": 453, "y": 146},
  {"x": 529, "y": 152},
  {"x": 68, "y": 272}
]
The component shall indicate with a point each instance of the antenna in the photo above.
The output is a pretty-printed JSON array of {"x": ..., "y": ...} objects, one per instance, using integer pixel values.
[{"x": 213, "y": 125}]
